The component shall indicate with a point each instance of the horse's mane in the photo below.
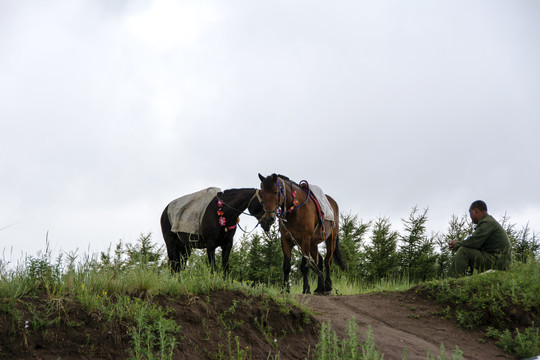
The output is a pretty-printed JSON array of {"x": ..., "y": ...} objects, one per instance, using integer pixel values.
[
  {"x": 268, "y": 180},
  {"x": 283, "y": 177},
  {"x": 227, "y": 191},
  {"x": 286, "y": 178}
]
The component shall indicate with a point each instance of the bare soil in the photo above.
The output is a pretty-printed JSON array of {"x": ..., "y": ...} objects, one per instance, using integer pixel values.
[
  {"x": 210, "y": 323},
  {"x": 403, "y": 320}
]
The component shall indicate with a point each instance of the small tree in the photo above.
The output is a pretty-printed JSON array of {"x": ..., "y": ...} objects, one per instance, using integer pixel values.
[
  {"x": 524, "y": 246},
  {"x": 273, "y": 257},
  {"x": 351, "y": 235},
  {"x": 459, "y": 229},
  {"x": 237, "y": 259},
  {"x": 257, "y": 258},
  {"x": 144, "y": 251},
  {"x": 381, "y": 256},
  {"x": 417, "y": 253}
]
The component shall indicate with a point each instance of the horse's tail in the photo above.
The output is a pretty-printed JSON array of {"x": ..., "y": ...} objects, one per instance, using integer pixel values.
[
  {"x": 337, "y": 255},
  {"x": 165, "y": 223}
]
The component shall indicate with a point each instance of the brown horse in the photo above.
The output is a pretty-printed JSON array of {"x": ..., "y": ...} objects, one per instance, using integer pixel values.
[{"x": 300, "y": 224}]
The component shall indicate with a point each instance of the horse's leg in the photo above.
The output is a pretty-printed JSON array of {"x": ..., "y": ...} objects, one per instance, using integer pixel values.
[
  {"x": 183, "y": 255},
  {"x": 225, "y": 253},
  {"x": 328, "y": 282},
  {"x": 304, "y": 268},
  {"x": 172, "y": 242},
  {"x": 212, "y": 258},
  {"x": 287, "y": 249},
  {"x": 320, "y": 277},
  {"x": 330, "y": 246},
  {"x": 174, "y": 252},
  {"x": 310, "y": 259}
]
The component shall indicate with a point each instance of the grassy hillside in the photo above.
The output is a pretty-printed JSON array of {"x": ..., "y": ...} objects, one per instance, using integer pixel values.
[
  {"x": 506, "y": 304},
  {"x": 128, "y": 305}
]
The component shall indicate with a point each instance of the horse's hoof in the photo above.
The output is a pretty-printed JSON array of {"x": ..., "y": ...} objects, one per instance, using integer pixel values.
[{"x": 330, "y": 292}]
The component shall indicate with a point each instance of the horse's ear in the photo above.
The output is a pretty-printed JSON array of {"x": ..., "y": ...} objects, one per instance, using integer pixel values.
[
  {"x": 274, "y": 177},
  {"x": 261, "y": 177}
]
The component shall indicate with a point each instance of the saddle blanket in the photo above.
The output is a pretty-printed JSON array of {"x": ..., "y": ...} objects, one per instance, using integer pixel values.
[
  {"x": 326, "y": 208},
  {"x": 186, "y": 213}
]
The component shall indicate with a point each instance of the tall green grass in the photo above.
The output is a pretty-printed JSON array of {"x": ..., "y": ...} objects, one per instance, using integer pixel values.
[{"x": 344, "y": 286}]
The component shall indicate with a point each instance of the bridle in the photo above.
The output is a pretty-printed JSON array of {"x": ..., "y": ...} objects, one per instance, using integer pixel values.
[
  {"x": 255, "y": 195},
  {"x": 282, "y": 191}
]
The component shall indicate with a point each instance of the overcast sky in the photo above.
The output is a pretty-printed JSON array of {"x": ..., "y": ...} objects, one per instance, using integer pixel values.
[{"x": 111, "y": 109}]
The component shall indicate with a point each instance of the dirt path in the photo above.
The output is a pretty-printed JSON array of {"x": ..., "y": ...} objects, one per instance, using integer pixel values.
[{"x": 402, "y": 320}]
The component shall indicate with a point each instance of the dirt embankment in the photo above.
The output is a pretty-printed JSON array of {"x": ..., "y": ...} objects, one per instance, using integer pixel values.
[{"x": 209, "y": 324}]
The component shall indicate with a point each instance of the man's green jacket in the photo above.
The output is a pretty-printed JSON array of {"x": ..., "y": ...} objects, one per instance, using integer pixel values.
[{"x": 489, "y": 237}]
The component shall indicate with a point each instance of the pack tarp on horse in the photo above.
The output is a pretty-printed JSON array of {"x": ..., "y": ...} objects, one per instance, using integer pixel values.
[
  {"x": 323, "y": 202},
  {"x": 186, "y": 213}
]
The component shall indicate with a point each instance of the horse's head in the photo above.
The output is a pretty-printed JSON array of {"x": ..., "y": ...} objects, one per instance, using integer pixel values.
[
  {"x": 272, "y": 197},
  {"x": 255, "y": 206}
]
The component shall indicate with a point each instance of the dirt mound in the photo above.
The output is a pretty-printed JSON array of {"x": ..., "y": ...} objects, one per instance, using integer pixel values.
[
  {"x": 402, "y": 321},
  {"x": 37, "y": 328},
  {"x": 261, "y": 325},
  {"x": 209, "y": 324}
]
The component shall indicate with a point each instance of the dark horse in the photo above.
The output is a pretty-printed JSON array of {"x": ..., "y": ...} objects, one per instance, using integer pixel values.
[
  {"x": 218, "y": 227},
  {"x": 301, "y": 225}
]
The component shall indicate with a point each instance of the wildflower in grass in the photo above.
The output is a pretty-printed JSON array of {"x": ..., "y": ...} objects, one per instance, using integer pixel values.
[{"x": 26, "y": 324}]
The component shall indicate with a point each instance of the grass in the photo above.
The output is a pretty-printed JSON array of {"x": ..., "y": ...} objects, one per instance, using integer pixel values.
[
  {"x": 490, "y": 295},
  {"x": 505, "y": 303},
  {"x": 118, "y": 288},
  {"x": 343, "y": 286},
  {"x": 120, "y": 291},
  {"x": 349, "y": 348}
]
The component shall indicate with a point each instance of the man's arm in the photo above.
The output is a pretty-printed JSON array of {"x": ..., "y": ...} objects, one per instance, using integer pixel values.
[{"x": 477, "y": 238}]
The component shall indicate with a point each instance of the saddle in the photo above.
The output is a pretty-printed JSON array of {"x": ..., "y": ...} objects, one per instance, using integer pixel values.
[
  {"x": 320, "y": 213},
  {"x": 186, "y": 213}
]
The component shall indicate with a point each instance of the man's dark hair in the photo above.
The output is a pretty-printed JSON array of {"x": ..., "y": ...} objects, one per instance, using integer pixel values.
[{"x": 480, "y": 205}]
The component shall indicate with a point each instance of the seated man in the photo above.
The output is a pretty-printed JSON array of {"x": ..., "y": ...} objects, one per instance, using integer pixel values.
[{"x": 487, "y": 248}]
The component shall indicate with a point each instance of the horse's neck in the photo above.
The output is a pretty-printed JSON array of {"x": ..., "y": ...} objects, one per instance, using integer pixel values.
[
  {"x": 238, "y": 199},
  {"x": 291, "y": 189}
]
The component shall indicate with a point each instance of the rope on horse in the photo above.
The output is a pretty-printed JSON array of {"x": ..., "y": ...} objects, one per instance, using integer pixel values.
[
  {"x": 308, "y": 257},
  {"x": 249, "y": 203},
  {"x": 248, "y": 232},
  {"x": 255, "y": 195}
]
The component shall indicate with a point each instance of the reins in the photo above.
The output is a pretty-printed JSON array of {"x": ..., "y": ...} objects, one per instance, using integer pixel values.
[
  {"x": 281, "y": 214},
  {"x": 309, "y": 259},
  {"x": 283, "y": 190},
  {"x": 256, "y": 195},
  {"x": 242, "y": 212}
]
